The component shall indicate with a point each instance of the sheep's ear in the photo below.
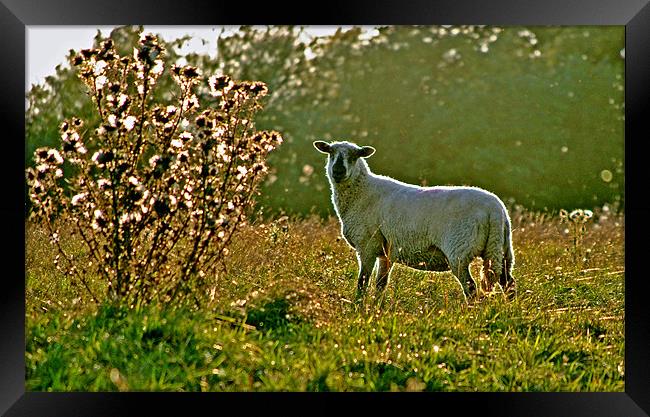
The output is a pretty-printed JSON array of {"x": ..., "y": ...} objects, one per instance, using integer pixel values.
[
  {"x": 366, "y": 151},
  {"x": 323, "y": 147}
]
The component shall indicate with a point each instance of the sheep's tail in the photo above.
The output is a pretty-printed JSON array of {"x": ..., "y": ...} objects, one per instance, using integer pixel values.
[
  {"x": 508, "y": 254},
  {"x": 498, "y": 251},
  {"x": 506, "y": 279},
  {"x": 495, "y": 241}
]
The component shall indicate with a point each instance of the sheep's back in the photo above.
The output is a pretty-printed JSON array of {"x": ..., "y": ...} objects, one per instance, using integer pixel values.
[{"x": 414, "y": 218}]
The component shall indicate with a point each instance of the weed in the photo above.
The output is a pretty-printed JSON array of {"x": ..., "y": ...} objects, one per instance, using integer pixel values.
[{"x": 155, "y": 192}]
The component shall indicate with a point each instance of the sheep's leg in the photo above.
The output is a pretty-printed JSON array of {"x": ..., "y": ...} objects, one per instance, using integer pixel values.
[
  {"x": 465, "y": 278},
  {"x": 366, "y": 265},
  {"x": 383, "y": 270},
  {"x": 507, "y": 281},
  {"x": 489, "y": 276}
]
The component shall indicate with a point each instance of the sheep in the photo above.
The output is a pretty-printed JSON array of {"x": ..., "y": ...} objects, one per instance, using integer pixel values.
[{"x": 438, "y": 228}]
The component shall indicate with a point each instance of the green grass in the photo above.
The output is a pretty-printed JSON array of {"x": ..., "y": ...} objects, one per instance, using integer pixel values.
[{"x": 284, "y": 321}]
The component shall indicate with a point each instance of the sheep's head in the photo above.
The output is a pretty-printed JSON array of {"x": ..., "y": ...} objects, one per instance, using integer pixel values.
[{"x": 343, "y": 157}]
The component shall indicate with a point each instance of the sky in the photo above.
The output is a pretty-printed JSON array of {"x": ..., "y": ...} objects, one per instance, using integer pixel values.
[{"x": 48, "y": 46}]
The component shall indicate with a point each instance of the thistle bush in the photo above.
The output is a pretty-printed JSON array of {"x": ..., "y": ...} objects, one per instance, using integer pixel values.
[{"x": 155, "y": 190}]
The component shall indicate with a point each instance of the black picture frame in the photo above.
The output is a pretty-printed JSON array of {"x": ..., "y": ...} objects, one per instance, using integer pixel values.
[{"x": 15, "y": 15}]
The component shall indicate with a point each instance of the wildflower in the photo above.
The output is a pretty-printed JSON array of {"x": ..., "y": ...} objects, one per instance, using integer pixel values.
[
  {"x": 183, "y": 156},
  {"x": 37, "y": 187},
  {"x": 168, "y": 128},
  {"x": 191, "y": 102},
  {"x": 124, "y": 218},
  {"x": 580, "y": 216},
  {"x": 87, "y": 53},
  {"x": 218, "y": 132},
  {"x": 103, "y": 184},
  {"x": 72, "y": 143},
  {"x": 275, "y": 138},
  {"x": 259, "y": 88},
  {"x": 176, "y": 69},
  {"x": 129, "y": 122},
  {"x": 221, "y": 149},
  {"x": 68, "y": 147},
  {"x": 177, "y": 143},
  {"x": 242, "y": 171},
  {"x": 158, "y": 68},
  {"x": 564, "y": 214},
  {"x": 40, "y": 153},
  {"x": 30, "y": 174},
  {"x": 99, "y": 67},
  {"x": 100, "y": 82},
  {"x": 41, "y": 169},
  {"x": 54, "y": 157},
  {"x": 106, "y": 45},
  {"x": 220, "y": 85},
  {"x": 149, "y": 49},
  {"x": 190, "y": 72},
  {"x": 78, "y": 198},
  {"x": 201, "y": 121},
  {"x": 101, "y": 157}
]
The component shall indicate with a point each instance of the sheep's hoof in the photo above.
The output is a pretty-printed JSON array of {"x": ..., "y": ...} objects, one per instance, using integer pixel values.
[
  {"x": 466, "y": 300},
  {"x": 380, "y": 299},
  {"x": 358, "y": 298},
  {"x": 510, "y": 292},
  {"x": 472, "y": 296}
]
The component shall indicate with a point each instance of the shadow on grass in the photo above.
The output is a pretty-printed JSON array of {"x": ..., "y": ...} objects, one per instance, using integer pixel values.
[
  {"x": 384, "y": 377},
  {"x": 273, "y": 315}
]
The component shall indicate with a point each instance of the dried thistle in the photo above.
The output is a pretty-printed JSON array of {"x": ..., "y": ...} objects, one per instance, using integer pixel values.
[
  {"x": 578, "y": 219},
  {"x": 155, "y": 191}
]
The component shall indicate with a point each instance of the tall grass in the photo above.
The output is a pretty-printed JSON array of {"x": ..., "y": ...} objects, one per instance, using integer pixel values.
[{"x": 284, "y": 321}]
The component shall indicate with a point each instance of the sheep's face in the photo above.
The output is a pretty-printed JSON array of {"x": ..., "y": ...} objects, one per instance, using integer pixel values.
[{"x": 342, "y": 158}]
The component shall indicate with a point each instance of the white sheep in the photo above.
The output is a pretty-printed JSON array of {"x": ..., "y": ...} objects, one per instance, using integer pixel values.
[{"x": 427, "y": 228}]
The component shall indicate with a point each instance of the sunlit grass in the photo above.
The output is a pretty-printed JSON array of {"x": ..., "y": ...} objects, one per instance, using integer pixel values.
[{"x": 285, "y": 321}]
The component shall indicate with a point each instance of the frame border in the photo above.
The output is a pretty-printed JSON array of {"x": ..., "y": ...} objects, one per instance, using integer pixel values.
[{"x": 15, "y": 15}]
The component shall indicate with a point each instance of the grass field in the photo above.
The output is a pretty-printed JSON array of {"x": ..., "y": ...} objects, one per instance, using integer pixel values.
[{"x": 284, "y": 321}]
